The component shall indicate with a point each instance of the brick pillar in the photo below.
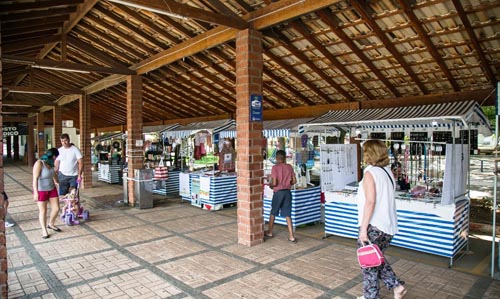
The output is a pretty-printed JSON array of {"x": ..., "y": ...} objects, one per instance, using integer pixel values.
[
  {"x": 8, "y": 146},
  {"x": 249, "y": 159},
  {"x": 31, "y": 144},
  {"x": 40, "y": 139},
  {"x": 135, "y": 154},
  {"x": 85, "y": 146},
  {"x": 57, "y": 121},
  {"x": 4, "y": 287},
  {"x": 15, "y": 147}
]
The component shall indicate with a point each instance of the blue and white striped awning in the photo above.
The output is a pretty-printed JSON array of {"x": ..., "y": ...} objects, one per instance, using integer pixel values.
[
  {"x": 159, "y": 129},
  {"x": 215, "y": 126},
  {"x": 108, "y": 136},
  {"x": 462, "y": 114},
  {"x": 274, "y": 128}
]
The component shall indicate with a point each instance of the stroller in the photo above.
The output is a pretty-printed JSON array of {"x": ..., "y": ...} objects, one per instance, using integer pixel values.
[{"x": 73, "y": 210}]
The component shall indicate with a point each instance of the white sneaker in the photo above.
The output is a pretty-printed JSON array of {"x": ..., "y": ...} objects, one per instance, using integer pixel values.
[{"x": 9, "y": 224}]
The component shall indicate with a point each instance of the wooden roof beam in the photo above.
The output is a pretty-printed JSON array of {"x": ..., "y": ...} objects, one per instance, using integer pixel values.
[
  {"x": 428, "y": 43},
  {"x": 64, "y": 66},
  {"x": 89, "y": 50},
  {"x": 286, "y": 43},
  {"x": 329, "y": 20},
  {"x": 180, "y": 10},
  {"x": 473, "y": 39},
  {"x": 30, "y": 89},
  {"x": 300, "y": 27},
  {"x": 388, "y": 44}
]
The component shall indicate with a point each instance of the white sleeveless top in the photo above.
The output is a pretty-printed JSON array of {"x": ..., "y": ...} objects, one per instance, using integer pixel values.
[{"x": 384, "y": 215}]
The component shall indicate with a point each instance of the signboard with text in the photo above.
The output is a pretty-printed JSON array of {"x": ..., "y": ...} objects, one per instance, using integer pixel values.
[{"x": 255, "y": 107}]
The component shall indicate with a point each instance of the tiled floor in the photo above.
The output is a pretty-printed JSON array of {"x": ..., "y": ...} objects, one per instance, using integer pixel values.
[{"x": 178, "y": 251}]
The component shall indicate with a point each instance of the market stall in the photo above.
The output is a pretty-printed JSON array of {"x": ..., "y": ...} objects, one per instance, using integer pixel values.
[
  {"x": 206, "y": 182},
  {"x": 107, "y": 155},
  {"x": 431, "y": 143}
]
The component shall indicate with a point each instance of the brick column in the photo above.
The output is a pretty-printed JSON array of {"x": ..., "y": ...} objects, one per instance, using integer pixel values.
[
  {"x": 15, "y": 147},
  {"x": 135, "y": 154},
  {"x": 31, "y": 144},
  {"x": 8, "y": 146},
  {"x": 249, "y": 159},
  {"x": 40, "y": 139},
  {"x": 57, "y": 121},
  {"x": 85, "y": 146},
  {"x": 4, "y": 287}
]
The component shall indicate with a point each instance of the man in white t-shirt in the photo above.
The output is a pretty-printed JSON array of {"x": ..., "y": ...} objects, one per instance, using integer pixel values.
[{"x": 68, "y": 165}]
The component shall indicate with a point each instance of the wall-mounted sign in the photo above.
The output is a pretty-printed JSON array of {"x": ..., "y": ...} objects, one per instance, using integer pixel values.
[
  {"x": 255, "y": 107},
  {"x": 10, "y": 131},
  {"x": 40, "y": 135},
  {"x": 67, "y": 123}
]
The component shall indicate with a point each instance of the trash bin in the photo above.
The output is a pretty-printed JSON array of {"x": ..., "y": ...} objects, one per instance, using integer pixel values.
[{"x": 143, "y": 189}]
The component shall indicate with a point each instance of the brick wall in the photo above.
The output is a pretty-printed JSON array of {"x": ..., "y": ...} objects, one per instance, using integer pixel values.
[
  {"x": 3, "y": 244},
  {"x": 40, "y": 126},
  {"x": 85, "y": 146},
  {"x": 249, "y": 154},
  {"x": 135, "y": 155}
]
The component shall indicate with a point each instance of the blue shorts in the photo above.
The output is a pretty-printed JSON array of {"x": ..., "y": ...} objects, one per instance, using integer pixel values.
[
  {"x": 282, "y": 200},
  {"x": 65, "y": 182}
]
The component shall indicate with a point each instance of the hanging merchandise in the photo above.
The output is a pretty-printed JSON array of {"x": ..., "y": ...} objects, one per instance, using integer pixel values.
[{"x": 161, "y": 172}]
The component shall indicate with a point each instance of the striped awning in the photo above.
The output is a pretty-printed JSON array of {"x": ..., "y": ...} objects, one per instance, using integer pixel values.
[
  {"x": 463, "y": 114},
  {"x": 108, "y": 136},
  {"x": 216, "y": 126},
  {"x": 159, "y": 129},
  {"x": 274, "y": 128}
]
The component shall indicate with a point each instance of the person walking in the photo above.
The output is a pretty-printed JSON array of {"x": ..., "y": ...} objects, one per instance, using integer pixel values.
[
  {"x": 69, "y": 165},
  {"x": 44, "y": 190},
  {"x": 377, "y": 218},
  {"x": 281, "y": 180}
]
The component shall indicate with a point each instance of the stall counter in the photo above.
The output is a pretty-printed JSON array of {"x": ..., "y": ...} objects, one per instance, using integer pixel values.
[
  {"x": 213, "y": 191},
  {"x": 423, "y": 226},
  {"x": 306, "y": 206},
  {"x": 109, "y": 173}
]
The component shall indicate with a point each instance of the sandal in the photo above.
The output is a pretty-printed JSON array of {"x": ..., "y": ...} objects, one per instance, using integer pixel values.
[
  {"x": 266, "y": 235},
  {"x": 55, "y": 228},
  {"x": 293, "y": 241},
  {"x": 399, "y": 292},
  {"x": 46, "y": 236}
]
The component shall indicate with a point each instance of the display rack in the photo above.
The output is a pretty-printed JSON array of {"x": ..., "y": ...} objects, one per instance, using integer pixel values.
[
  {"x": 169, "y": 187},
  {"x": 109, "y": 173}
]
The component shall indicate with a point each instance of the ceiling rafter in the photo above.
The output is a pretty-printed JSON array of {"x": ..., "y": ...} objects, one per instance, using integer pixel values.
[
  {"x": 302, "y": 57},
  {"x": 329, "y": 20},
  {"x": 87, "y": 48},
  {"x": 297, "y": 95},
  {"x": 428, "y": 43},
  {"x": 183, "y": 10},
  {"x": 300, "y": 27},
  {"x": 388, "y": 44},
  {"x": 473, "y": 39}
]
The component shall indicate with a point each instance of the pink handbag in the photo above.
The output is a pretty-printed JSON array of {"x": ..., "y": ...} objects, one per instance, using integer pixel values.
[{"x": 370, "y": 256}]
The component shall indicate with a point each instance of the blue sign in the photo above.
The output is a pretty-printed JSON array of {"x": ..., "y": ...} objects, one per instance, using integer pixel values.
[
  {"x": 40, "y": 135},
  {"x": 255, "y": 107}
]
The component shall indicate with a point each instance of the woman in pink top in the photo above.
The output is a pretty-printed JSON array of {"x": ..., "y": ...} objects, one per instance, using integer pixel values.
[{"x": 281, "y": 180}]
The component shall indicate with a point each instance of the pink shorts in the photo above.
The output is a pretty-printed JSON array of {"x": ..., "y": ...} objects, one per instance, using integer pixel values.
[{"x": 45, "y": 195}]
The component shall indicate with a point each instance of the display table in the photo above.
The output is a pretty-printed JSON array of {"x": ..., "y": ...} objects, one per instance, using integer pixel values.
[
  {"x": 423, "y": 226},
  {"x": 169, "y": 187},
  {"x": 306, "y": 206},
  {"x": 207, "y": 190},
  {"x": 109, "y": 173}
]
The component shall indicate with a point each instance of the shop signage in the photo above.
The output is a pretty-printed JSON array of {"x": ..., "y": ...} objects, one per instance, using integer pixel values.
[
  {"x": 255, "y": 107},
  {"x": 10, "y": 131},
  {"x": 40, "y": 135}
]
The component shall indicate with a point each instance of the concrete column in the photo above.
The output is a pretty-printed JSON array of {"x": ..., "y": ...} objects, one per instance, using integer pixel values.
[
  {"x": 249, "y": 159},
  {"x": 15, "y": 147},
  {"x": 57, "y": 121},
  {"x": 85, "y": 146},
  {"x": 40, "y": 139},
  {"x": 134, "y": 154}
]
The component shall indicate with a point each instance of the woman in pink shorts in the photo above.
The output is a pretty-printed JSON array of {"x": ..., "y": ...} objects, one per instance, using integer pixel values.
[{"x": 44, "y": 190}]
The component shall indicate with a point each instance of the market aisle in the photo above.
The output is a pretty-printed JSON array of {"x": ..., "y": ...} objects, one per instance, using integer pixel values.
[{"x": 178, "y": 251}]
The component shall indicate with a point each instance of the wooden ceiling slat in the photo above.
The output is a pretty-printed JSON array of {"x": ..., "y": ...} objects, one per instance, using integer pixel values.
[
  {"x": 105, "y": 58},
  {"x": 172, "y": 7},
  {"x": 7, "y": 8}
]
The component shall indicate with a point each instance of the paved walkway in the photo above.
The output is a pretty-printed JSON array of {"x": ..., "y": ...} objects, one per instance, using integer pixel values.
[{"x": 178, "y": 251}]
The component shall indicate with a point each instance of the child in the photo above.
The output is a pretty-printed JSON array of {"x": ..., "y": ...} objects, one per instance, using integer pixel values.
[{"x": 71, "y": 199}]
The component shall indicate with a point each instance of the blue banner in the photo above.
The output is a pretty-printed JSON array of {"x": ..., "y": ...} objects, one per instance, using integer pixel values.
[{"x": 255, "y": 107}]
